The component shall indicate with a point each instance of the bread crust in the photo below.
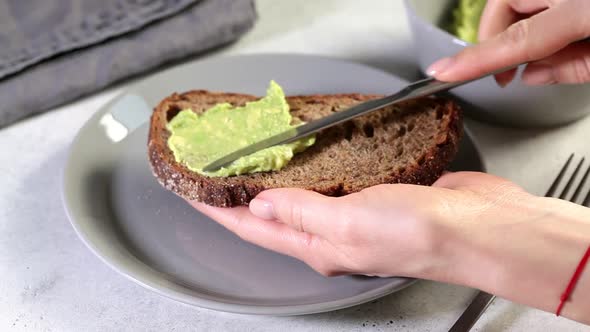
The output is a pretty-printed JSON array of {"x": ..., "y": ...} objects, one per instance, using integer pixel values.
[{"x": 240, "y": 190}]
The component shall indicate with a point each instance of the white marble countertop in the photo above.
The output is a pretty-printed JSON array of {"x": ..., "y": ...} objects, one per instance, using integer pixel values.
[{"x": 49, "y": 281}]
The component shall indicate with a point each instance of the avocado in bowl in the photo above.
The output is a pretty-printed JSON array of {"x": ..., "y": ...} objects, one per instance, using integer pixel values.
[{"x": 464, "y": 19}]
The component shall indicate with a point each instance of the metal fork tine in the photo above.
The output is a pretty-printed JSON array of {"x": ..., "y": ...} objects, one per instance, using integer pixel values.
[
  {"x": 566, "y": 189},
  {"x": 555, "y": 183},
  {"x": 587, "y": 200},
  {"x": 581, "y": 185}
]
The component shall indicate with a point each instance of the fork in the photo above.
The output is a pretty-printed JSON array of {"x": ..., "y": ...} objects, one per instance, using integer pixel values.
[{"x": 482, "y": 300}]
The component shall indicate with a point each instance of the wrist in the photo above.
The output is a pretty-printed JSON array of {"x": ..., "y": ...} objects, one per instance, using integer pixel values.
[
  {"x": 525, "y": 254},
  {"x": 469, "y": 250}
]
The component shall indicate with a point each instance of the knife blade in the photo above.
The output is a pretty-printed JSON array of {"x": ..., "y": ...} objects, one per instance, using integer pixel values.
[{"x": 414, "y": 90}]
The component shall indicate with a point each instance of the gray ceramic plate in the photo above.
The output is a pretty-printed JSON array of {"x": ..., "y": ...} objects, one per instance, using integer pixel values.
[{"x": 154, "y": 238}]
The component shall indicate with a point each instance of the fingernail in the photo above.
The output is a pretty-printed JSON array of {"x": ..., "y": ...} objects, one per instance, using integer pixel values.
[
  {"x": 440, "y": 66},
  {"x": 539, "y": 76},
  {"x": 262, "y": 209}
]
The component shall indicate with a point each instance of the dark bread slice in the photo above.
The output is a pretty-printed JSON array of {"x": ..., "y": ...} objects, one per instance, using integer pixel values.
[{"x": 412, "y": 142}]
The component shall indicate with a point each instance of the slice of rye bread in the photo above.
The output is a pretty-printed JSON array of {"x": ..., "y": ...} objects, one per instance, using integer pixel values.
[{"x": 412, "y": 142}]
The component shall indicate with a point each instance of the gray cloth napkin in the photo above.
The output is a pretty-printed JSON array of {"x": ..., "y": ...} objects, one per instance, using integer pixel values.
[{"x": 53, "y": 51}]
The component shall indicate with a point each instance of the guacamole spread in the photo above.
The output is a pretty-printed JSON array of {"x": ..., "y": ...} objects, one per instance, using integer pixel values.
[
  {"x": 197, "y": 140},
  {"x": 465, "y": 20}
]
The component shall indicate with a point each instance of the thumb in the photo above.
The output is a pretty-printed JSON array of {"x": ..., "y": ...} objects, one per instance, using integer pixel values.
[
  {"x": 303, "y": 210},
  {"x": 569, "y": 66}
]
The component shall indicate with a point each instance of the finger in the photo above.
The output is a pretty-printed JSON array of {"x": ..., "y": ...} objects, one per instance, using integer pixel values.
[
  {"x": 265, "y": 233},
  {"x": 463, "y": 179},
  {"x": 451, "y": 180},
  {"x": 496, "y": 17},
  {"x": 527, "y": 40},
  {"x": 569, "y": 66},
  {"x": 532, "y": 6},
  {"x": 303, "y": 210},
  {"x": 489, "y": 182}
]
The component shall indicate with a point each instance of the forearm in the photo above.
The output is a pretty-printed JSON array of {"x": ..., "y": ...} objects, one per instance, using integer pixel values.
[{"x": 528, "y": 260}]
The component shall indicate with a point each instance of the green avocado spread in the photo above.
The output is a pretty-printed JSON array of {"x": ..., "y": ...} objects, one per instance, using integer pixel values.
[
  {"x": 465, "y": 20},
  {"x": 196, "y": 140}
]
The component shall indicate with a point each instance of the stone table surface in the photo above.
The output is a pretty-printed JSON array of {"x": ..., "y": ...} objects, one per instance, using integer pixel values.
[{"x": 49, "y": 281}]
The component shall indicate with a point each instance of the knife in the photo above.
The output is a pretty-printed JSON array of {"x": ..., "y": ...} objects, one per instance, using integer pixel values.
[{"x": 414, "y": 90}]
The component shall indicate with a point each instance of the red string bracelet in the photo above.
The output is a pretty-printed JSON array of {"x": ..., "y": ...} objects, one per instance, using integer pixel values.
[{"x": 570, "y": 286}]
